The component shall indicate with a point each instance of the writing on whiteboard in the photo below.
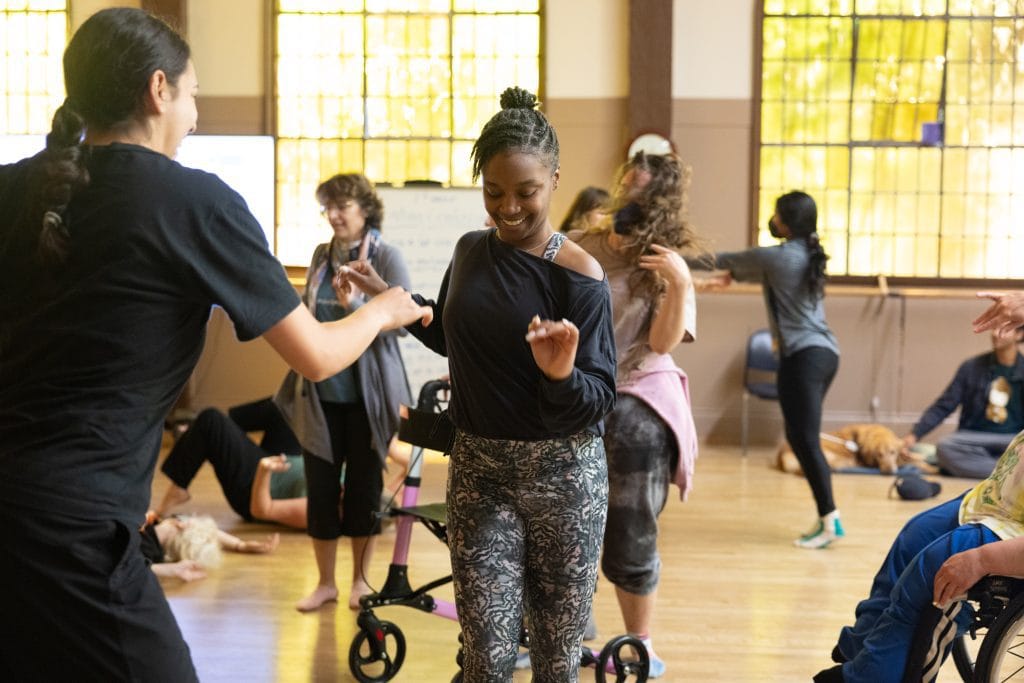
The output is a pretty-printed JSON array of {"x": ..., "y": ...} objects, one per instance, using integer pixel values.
[{"x": 424, "y": 224}]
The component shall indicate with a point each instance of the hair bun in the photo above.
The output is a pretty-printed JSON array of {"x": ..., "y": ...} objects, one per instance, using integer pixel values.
[{"x": 517, "y": 98}]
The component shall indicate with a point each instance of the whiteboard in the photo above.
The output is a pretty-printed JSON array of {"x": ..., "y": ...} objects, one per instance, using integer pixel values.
[{"x": 424, "y": 223}]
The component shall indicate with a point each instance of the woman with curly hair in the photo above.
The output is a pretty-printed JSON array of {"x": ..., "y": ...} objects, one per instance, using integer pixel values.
[
  {"x": 792, "y": 275},
  {"x": 524, "y": 318},
  {"x": 650, "y": 438}
]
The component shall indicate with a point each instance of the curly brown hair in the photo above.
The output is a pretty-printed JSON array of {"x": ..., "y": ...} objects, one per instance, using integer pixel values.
[
  {"x": 663, "y": 204},
  {"x": 357, "y": 187}
]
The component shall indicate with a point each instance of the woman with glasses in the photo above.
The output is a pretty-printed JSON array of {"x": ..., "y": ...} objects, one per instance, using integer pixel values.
[{"x": 347, "y": 426}]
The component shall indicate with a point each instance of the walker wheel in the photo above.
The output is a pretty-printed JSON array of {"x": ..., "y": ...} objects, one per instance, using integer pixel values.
[
  {"x": 635, "y": 666},
  {"x": 378, "y": 656}
]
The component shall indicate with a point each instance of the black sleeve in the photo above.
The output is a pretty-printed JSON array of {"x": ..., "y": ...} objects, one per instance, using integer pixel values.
[
  {"x": 232, "y": 263},
  {"x": 432, "y": 336},
  {"x": 588, "y": 394}
]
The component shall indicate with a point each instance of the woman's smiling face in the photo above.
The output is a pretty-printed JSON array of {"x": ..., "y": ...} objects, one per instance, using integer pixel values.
[{"x": 517, "y": 194}]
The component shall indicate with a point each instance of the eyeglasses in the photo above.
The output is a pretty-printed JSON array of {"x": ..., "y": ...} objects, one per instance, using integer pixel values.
[{"x": 343, "y": 206}]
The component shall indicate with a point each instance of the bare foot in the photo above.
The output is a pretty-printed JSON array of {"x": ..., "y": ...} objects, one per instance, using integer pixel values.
[
  {"x": 173, "y": 497},
  {"x": 359, "y": 589},
  {"x": 320, "y": 596}
]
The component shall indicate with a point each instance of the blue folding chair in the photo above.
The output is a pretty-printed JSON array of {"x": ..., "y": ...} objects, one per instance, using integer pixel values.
[{"x": 758, "y": 376}]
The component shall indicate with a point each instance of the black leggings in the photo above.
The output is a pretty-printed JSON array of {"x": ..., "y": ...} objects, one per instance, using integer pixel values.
[
  {"x": 235, "y": 458},
  {"x": 803, "y": 380}
]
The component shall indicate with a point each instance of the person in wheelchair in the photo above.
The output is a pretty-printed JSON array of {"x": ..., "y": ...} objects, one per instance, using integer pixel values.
[{"x": 905, "y": 627}]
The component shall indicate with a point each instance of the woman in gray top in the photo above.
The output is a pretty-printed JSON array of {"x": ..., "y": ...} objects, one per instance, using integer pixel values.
[{"x": 793, "y": 277}]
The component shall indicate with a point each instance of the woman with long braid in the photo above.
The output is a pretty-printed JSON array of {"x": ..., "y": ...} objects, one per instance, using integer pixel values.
[
  {"x": 524, "y": 318},
  {"x": 792, "y": 275},
  {"x": 111, "y": 257}
]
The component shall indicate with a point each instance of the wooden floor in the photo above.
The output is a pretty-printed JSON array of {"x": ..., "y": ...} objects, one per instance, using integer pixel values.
[{"x": 738, "y": 602}]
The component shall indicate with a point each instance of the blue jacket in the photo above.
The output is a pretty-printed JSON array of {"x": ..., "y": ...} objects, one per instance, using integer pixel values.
[{"x": 969, "y": 392}]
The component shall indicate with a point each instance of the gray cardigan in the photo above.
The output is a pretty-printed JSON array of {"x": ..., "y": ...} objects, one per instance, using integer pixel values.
[{"x": 380, "y": 369}]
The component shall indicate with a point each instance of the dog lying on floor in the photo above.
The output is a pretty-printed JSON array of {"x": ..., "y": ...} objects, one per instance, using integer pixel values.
[{"x": 859, "y": 445}]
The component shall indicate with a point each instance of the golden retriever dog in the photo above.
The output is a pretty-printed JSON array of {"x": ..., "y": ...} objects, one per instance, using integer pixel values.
[{"x": 859, "y": 445}]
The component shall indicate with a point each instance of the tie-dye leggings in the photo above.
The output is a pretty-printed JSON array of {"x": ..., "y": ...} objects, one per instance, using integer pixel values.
[{"x": 525, "y": 525}]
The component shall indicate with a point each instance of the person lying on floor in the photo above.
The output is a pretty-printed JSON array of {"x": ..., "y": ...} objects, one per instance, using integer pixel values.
[
  {"x": 257, "y": 485},
  {"x": 917, "y": 595},
  {"x": 185, "y": 546},
  {"x": 260, "y": 482}
]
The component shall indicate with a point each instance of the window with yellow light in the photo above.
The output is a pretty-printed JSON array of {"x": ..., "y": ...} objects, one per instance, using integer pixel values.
[
  {"x": 33, "y": 34},
  {"x": 395, "y": 89},
  {"x": 905, "y": 120}
]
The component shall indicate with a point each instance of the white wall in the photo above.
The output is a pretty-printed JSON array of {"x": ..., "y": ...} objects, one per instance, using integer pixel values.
[
  {"x": 226, "y": 37},
  {"x": 712, "y": 55},
  {"x": 587, "y": 48}
]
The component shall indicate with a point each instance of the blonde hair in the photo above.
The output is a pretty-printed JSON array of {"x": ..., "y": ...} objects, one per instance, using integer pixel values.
[{"x": 197, "y": 540}]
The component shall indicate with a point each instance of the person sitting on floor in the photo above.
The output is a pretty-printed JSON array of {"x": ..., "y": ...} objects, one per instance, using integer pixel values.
[
  {"x": 989, "y": 390},
  {"x": 903, "y": 628}
]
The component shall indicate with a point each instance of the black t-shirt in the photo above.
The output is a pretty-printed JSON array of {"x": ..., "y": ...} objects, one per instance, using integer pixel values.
[
  {"x": 93, "y": 355},
  {"x": 488, "y": 296}
]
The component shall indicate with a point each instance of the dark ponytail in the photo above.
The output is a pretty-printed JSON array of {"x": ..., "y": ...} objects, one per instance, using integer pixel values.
[
  {"x": 58, "y": 173},
  {"x": 517, "y": 127},
  {"x": 107, "y": 68},
  {"x": 800, "y": 214}
]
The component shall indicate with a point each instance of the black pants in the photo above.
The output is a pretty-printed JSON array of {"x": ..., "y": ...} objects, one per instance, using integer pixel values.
[
  {"x": 803, "y": 380},
  {"x": 235, "y": 458},
  {"x": 330, "y": 514},
  {"x": 81, "y": 604},
  {"x": 263, "y": 416}
]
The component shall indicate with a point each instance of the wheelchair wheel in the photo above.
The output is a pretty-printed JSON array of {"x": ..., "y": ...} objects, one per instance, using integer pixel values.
[
  {"x": 964, "y": 653},
  {"x": 635, "y": 666},
  {"x": 375, "y": 657},
  {"x": 1001, "y": 657}
]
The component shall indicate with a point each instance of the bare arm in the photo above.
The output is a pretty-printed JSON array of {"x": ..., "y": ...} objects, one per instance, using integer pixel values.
[
  {"x": 668, "y": 327},
  {"x": 319, "y": 350},
  {"x": 963, "y": 570},
  {"x": 235, "y": 544},
  {"x": 287, "y": 511}
]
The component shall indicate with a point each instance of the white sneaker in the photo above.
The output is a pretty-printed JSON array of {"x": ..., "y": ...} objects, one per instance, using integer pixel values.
[{"x": 828, "y": 529}]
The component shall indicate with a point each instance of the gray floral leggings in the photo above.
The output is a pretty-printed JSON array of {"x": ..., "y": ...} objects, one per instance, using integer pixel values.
[{"x": 525, "y": 525}]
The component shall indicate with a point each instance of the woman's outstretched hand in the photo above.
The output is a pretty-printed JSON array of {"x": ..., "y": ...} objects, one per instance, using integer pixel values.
[
  {"x": 358, "y": 275},
  {"x": 553, "y": 344},
  {"x": 267, "y": 545},
  {"x": 1005, "y": 313}
]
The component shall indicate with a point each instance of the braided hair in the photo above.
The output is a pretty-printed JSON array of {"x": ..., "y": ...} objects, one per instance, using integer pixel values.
[
  {"x": 800, "y": 214},
  {"x": 107, "y": 68},
  {"x": 520, "y": 127}
]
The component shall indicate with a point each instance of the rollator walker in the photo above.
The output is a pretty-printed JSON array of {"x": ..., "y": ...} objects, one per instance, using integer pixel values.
[{"x": 378, "y": 648}]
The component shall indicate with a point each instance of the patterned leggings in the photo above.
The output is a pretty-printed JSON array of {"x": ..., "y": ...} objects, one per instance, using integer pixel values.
[{"x": 525, "y": 524}]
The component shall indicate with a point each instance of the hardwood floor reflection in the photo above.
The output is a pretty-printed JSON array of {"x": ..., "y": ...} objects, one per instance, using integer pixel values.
[{"x": 737, "y": 602}]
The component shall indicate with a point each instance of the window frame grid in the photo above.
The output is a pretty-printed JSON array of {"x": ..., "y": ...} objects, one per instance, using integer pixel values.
[
  {"x": 452, "y": 142},
  {"x": 851, "y": 145}
]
